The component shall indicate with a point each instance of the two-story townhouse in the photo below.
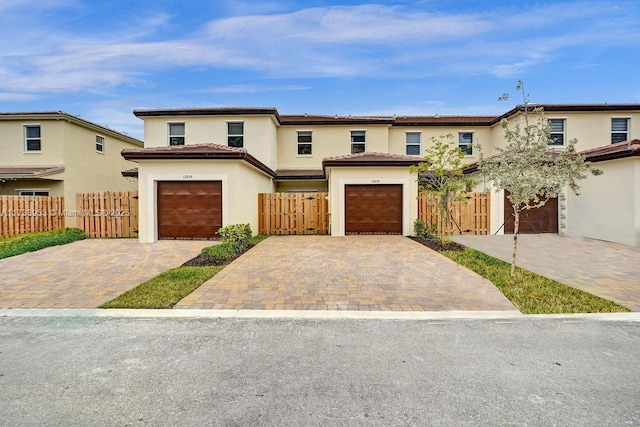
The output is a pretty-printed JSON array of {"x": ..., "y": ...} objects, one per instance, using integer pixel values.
[
  {"x": 58, "y": 154},
  {"x": 203, "y": 168}
]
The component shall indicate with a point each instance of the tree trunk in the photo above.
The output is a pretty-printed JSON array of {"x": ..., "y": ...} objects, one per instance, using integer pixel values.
[
  {"x": 516, "y": 229},
  {"x": 441, "y": 227}
]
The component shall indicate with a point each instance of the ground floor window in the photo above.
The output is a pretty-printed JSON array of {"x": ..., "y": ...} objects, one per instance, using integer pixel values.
[{"x": 33, "y": 192}]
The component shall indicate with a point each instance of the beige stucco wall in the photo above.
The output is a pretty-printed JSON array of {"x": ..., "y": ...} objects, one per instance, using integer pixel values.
[
  {"x": 591, "y": 129},
  {"x": 72, "y": 146},
  {"x": 284, "y": 186},
  {"x": 241, "y": 184},
  {"x": 12, "y": 144},
  {"x": 260, "y": 133},
  {"x": 482, "y": 135},
  {"x": 608, "y": 207},
  {"x": 88, "y": 171},
  {"x": 10, "y": 188},
  {"x": 328, "y": 141},
  {"x": 341, "y": 176}
]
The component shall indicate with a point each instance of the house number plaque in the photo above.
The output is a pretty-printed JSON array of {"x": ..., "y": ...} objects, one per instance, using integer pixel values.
[{"x": 187, "y": 176}]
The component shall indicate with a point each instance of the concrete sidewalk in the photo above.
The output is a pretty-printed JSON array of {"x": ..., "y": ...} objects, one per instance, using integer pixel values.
[{"x": 609, "y": 270}]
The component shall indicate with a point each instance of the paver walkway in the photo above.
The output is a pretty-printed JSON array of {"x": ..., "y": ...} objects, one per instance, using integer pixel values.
[
  {"x": 87, "y": 273},
  {"x": 609, "y": 270},
  {"x": 345, "y": 273}
]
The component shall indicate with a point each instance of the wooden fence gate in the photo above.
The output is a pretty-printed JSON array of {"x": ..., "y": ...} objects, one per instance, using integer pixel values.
[
  {"x": 293, "y": 213},
  {"x": 108, "y": 214},
  {"x": 470, "y": 217},
  {"x": 30, "y": 214}
]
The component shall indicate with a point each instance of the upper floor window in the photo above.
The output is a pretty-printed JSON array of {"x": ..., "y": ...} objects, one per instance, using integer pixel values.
[
  {"x": 413, "y": 143},
  {"x": 176, "y": 133},
  {"x": 358, "y": 141},
  {"x": 100, "y": 144},
  {"x": 32, "y": 139},
  {"x": 33, "y": 192},
  {"x": 619, "y": 130},
  {"x": 235, "y": 134},
  {"x": 557, "y": 131},
  {"x": 465, "y": 139},
  {"x": 305, "y": 147}
]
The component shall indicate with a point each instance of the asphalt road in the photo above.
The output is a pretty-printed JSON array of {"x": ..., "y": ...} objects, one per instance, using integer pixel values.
[{"x": 93, "y": 371}]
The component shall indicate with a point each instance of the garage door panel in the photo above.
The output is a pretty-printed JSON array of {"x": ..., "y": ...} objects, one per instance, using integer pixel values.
[
  {"x": 189, "y": 210},
  {"x": 533, "y": 221},
  {"x": 373, "y": 209}
]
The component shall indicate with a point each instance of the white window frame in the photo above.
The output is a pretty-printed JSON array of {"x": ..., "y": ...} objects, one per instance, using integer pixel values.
[
  {"x": 100, "y": 141},
  {"x": 235, "y": 135},
  {"x": 170, "y": 135},
  {"x": 27, "y": 139},
  {"x": 470, "y": 145},
  {"x": 413, "y": 144},
  {"x": 563, "y": 133},
  {"x": 20, "y": 191},
  {"x": 363, "y": 143},
  {"x": 310, "y": 143},
  {"x": 628, "y": 131}
]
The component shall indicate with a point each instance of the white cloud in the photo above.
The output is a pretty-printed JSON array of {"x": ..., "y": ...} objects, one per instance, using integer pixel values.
[
  {"x": 10, "y": 96},
  {"x": 255, "y": 88},
  {"x": 364, "y": 40}
]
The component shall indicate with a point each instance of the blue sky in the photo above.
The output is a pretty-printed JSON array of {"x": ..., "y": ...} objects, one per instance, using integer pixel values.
[{"x": 103, "y": 59}]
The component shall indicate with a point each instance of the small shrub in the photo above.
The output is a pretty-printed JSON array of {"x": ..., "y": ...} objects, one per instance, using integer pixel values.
[
  {"x": 220, "y": 254},
  {"x": 419, "y": 228},
  {"x": 237, "y": 236}
]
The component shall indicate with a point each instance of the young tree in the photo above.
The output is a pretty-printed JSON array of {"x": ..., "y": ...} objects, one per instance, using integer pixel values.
[
  {"x": 441, "y": 178},
  {"x": 528, "y": 169}
]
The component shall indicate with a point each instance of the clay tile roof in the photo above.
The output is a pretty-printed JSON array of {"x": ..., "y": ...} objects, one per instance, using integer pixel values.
[
  {"x": 196, "y": 151},
  {"x": 443, "y": 120},
  {"x": 28, "y": 171},
  {"x": 130, "y": 173},
  {"x": 300, "y": 174},
  {"x": 207, "y": 111},
  {"x": 191, "y": 148},
  {"x": 333, "y": 120},
  {"x": 618, "y": 150},
  {"x": 369, "y": 158}
]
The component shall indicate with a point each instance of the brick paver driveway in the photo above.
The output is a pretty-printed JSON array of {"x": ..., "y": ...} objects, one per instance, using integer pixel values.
[
  {"x": 609, "y": 270},
  {"x": 345, "y": 273},
  {"x": 87, "y": 273}
]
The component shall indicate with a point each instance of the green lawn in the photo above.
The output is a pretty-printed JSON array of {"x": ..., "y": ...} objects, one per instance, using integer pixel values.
[
  {"x": 164, "y": 290},
  {"x": 168, "y": 288},
  {"x": 30, "y": 242},
  {"x": 530, "y": 292}
]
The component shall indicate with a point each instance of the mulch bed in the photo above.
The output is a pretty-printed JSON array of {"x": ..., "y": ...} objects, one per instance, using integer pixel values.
[
  {"x": 437, "y": 245},
  {"x": 208, "y": 260}
]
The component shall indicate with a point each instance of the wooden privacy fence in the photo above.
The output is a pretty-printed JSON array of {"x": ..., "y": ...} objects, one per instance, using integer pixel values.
[
  {"x": 30, "y": 214},
  {"x": 108, "y": 214},
  {"x": 471, "y": 217},
  {"x": 293, "y": 213}
]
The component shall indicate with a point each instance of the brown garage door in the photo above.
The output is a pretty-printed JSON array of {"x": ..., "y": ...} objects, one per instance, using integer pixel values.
[
  {"x": 189, "y": 210},
  {"x": 540, "y": 220},
  {"x": 373, "y": 209}
]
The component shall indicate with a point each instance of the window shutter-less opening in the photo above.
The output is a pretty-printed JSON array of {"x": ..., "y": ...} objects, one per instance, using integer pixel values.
[
  {"x": 619, "y": 130},
  {"x": 176, "y": 133}
]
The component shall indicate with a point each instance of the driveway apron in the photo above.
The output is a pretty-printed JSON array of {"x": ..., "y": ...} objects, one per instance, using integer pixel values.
[
  {"x": 345, "y": 273},
  {"x": 606, "y": 269},
  {"x": 87, "y": 273}
]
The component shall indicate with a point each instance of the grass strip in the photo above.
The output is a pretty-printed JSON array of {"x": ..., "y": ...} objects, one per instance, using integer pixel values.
[
  {"x": 164, "y": 290},
  {"x": 530, "y": 292},
  {"x": 31, "y": 242},
  {"x": 168, "y": 288}
]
